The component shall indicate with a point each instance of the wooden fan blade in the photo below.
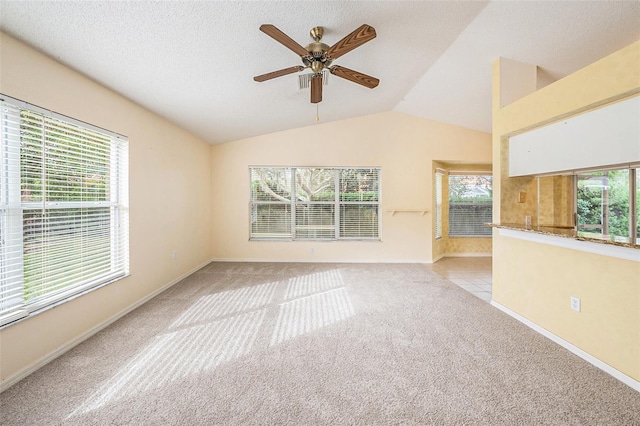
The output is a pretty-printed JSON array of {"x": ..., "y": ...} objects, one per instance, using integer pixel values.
[
  {"x": 355, "y": 76},
  {"x": 357, "y": 38},
  {"x": 283, "y": 39},
  {"x": 316, "y": 89},
  {"x": 279, "y": 73}
]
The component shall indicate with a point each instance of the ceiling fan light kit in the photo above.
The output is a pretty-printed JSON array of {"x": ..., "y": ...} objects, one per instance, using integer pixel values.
[
  {"x": 304, "y": 80},
  {"x": 319, "y": 56}
]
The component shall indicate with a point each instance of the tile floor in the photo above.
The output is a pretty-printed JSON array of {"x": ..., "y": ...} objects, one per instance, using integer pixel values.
[{"x": 471, "y": 273}]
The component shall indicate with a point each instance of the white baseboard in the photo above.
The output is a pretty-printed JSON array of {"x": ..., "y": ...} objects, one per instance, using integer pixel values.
[
  {"x": 421, "y": 261},
  {"x": 442, "y": 256},
  {"x": 15, "y": 378},
  {"x": 262, "y": 260},
  {"x": 634, "y": 384},
  {"x": 468, "y": 254}
]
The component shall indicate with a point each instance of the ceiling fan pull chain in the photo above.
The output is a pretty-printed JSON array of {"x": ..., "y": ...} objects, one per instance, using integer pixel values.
[{"x": 317, "y": 117}]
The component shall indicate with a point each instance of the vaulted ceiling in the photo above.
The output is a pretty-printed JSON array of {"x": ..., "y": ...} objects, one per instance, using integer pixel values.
[{"x": 193, "y": 62}]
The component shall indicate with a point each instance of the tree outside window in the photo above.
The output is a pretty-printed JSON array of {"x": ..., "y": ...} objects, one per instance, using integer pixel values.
[
  {"x": 603, "y": 204},
  {"x": 314, "y": 203}
]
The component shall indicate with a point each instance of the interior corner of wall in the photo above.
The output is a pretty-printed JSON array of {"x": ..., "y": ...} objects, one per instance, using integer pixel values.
[
  {"x": 495, "y": 88},
  {"x": 517, "y": 80},
  {"x": 543, "y": 78}
]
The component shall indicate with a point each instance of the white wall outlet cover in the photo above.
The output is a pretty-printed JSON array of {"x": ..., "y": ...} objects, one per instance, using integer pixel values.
[{"x": 575, "y": 304}]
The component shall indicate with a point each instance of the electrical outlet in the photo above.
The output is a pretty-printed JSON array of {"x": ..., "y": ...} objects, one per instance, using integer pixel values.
[
  {"x": 575, "y": 303},
  {"x": 522, "y": 197},
  {"x": 174, "y": 255},
  {"x": 312, "y": 250}
]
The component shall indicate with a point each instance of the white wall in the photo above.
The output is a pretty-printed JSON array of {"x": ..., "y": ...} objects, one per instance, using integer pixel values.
[{"x": 602, "y": 137}]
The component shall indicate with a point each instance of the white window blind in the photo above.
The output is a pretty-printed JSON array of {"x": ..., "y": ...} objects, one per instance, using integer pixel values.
[
  {"x": 470, "y": 205},
  {"x": 271, "y": 190},
  {"x": 302, "y": 203},
  {"x": 63, "y": 208},
  {"x": 314, "y": 203},
  {"x": 359, "y": 202}
]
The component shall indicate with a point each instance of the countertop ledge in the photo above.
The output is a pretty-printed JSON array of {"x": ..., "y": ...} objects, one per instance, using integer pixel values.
[{"x": 559, "y": 231}]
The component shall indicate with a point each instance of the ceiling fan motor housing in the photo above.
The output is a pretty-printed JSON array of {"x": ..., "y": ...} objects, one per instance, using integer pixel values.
[
  {"x": 317, "y": 57},
  {"x": 317, "y": 51}
]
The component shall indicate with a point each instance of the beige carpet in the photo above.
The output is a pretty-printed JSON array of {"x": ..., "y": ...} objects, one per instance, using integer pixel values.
[{"x": 318, "y": 344}]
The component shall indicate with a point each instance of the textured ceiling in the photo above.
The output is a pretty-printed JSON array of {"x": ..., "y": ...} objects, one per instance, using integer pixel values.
[{"x": 194, "y": 62}]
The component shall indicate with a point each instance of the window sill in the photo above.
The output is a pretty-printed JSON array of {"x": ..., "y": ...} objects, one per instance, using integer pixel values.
[{"x": 25, "y": 313}]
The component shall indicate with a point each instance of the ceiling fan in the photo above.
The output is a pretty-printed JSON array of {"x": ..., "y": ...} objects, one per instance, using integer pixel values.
[{"x": 318, "y": 56}]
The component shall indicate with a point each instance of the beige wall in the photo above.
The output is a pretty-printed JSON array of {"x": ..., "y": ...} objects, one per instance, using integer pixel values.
[
  {"x": 555, "y": 200},
  {"x": 402, "y": 145},
  {"x": 170, "y": 201},
  {"x": 536, "y": 280}
]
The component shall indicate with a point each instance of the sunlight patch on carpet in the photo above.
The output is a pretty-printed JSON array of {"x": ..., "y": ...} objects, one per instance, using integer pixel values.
[
  {"x": 179, "y": 354},
  {"x": 218, "y": 305},
  {"x": 313, "y": 283},
  {"x": 306, "y": 314}
]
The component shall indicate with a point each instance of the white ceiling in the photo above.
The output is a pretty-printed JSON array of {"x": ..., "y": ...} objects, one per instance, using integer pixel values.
[{"x": 193, "y": 62}]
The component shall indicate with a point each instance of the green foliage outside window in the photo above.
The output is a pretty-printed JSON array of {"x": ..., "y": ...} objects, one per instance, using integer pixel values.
[
  {"x": 470, "y": 205},
  {"x": 603, "y": 203},
  {"x": 72, "y": 163}
]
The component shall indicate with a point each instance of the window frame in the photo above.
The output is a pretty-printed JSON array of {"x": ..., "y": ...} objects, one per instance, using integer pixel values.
[
  {"x": 453, "y": 173},
  {"x": 337, "y": 204},
  {"x": 14, "y": 302},
  {"x": 438, "y": 194},
  {"x": 633, "y": 208}
]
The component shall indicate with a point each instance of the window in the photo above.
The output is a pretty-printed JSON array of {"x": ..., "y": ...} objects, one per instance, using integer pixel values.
[
  {"x": 637, "y": 197},
  {"x": 604, "y": 204},
  {"x": 438, "y": 193},
  {"x": 63, "y": 208},
  {"x": 301, "y": 203},
  {"x": 470, "y": 205}
]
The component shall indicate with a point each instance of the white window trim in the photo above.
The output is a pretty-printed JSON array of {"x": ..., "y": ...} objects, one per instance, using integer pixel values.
[
  {"x": 438, "y": 193},
  {"x": 11, "y": 222},
  {"x": 337, "y": 203}
]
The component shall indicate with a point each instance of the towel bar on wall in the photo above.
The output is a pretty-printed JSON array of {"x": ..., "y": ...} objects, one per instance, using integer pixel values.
[{"x": 421, "y": 211}]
